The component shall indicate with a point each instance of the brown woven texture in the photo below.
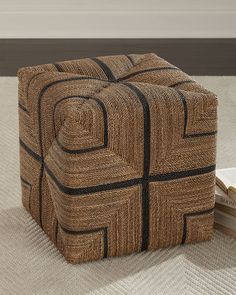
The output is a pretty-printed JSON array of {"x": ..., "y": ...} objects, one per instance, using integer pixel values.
[{"x": 117, "y": 154}]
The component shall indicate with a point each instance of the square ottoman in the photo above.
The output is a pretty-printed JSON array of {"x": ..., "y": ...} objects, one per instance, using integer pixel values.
[{"x": 117, "y": 154}]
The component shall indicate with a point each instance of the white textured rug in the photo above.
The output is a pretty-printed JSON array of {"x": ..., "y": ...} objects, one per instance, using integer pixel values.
[{"x": 29, "y": 263}]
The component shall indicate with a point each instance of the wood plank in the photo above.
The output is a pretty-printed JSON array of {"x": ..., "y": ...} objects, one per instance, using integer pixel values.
[{"x": 194, "y": 56}]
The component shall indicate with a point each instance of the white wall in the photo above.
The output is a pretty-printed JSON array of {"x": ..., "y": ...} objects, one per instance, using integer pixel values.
[{"x": 117, "y": 18}]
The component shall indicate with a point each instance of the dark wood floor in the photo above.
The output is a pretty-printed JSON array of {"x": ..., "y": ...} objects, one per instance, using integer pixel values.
[{"x": 195, "y": 56}]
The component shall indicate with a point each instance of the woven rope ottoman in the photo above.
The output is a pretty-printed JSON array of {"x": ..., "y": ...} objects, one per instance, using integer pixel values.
[{"x": 117, "y": 154}]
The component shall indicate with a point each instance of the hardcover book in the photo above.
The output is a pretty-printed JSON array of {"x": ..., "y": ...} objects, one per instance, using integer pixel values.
[{"x": 226, "y": 180}]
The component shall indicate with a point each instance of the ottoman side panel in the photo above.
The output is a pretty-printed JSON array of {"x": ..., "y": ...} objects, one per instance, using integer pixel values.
[
  {"x": 95, "y": 189},
  {"x": 181, "y": 210},
  {"x": 98, "y": 225},
  {"x": 181, "y": 179},
  {"x": 31, "y": 169},
  {"x": 183, "y": 129}
]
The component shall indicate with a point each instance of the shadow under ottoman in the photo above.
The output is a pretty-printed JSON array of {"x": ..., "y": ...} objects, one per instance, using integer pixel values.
[{"x": 117, "y": 154}]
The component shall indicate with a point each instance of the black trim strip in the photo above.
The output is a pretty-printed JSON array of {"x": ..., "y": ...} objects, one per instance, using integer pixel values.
[
  {"x": 182, "y": 97},
  {"x": 82, "y": 232},
  {"x": 182, "y": 82},
  {"x": 25, "y": 182},
  {"x": 30, "y": 151},
  {"x": 130, "y": 182},
  {"x": 183, "y": 100},
  {"x": 29, "y": 82},
  {"x": 105, "y": 122},
  {"x": 181, "y": 174},
  {"x": 186, "y": 215},
  {"x": 146, "y": 165},
  {"x": 89, "y": 231},
  {"x": 105, "y": 118},
  {"x": 56, "y": 231},
  {"x": 40, "y": 192},
  {"x": 146, "y": 128},
  {"x": 92, "y": 189},
  {"x": 105, "y": 68},
  {"x": 23, "y": 108},
  {"x": 146, "y": 71},
  {"x": 58, "y": 67},
  {"x": 81, "y": 151},
  {"x": 105, "y": 242},
  {"x": 130, "y": 59},
  {"x": 200, "y": 134}
]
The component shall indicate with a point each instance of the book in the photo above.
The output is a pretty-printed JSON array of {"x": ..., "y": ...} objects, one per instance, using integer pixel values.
[
  {"x": 222, "y": 198},
  {"x": 225, "y": 213},
  {"x": 225, "y": 230},
  {"x": 228, "y": 210},
  {"x": 226, "y": 220},
  {"x": 226, "y": 180}
]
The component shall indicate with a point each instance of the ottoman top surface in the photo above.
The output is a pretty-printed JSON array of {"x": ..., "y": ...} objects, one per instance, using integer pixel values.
[{"x": 142, "y": 68}]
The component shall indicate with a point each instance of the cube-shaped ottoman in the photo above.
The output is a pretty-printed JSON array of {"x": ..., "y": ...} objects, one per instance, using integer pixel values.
[{"x": 117, "y": 154}]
